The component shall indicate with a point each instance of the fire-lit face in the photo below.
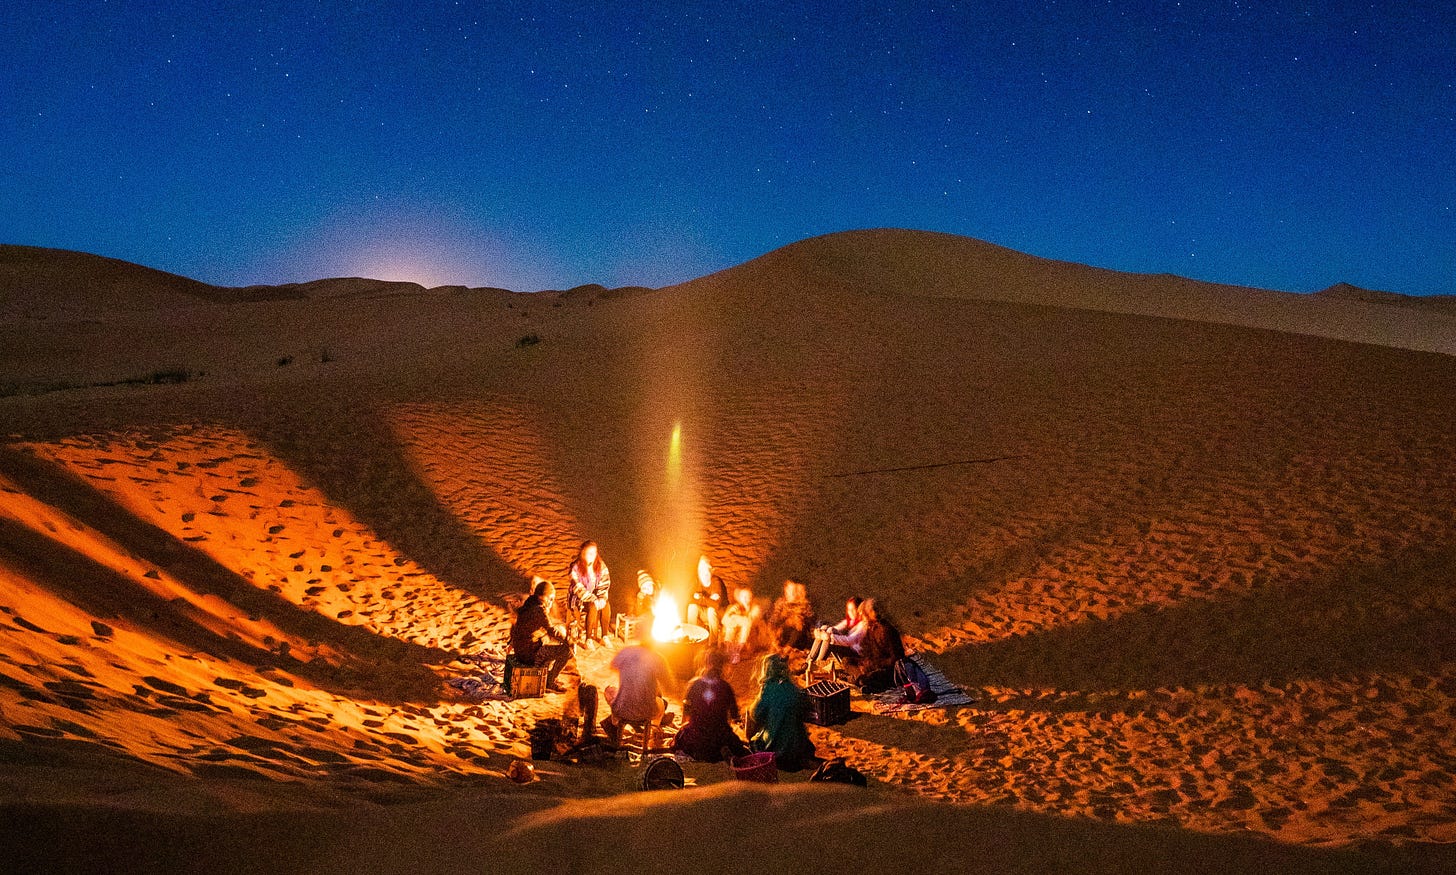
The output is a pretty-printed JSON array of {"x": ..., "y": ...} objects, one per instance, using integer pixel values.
[
  {"x": 851, "y": 610},
  {"x": 589, "y": 555},
  {"x": 705, "y": 572},
  {"x": 744, "y": 597}
]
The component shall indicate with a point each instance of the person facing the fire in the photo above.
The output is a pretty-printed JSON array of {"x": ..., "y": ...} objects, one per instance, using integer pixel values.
[
  {"x": 710, "y": 600},
  {"x": 710, "y": 707},
  {"x": 792, "y": 617},
  {"x": 591, "y": 585},
  {"x": 535, "y": 641},
  {"x": 776, "y": 718},
  {"x": 643, "y": 680}
]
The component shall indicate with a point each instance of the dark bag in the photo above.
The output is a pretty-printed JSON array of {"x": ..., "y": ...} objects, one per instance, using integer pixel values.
[
  {"x": 837, "y": 771},
  {"x": 911, "y": 678}
]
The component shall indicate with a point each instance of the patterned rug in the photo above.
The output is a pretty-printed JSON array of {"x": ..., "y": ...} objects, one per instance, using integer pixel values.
[{"x": 947, "y": 694}]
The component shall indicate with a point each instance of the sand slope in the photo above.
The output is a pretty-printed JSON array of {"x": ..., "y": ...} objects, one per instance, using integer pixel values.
[
  {"x": 898, "y": 262},
  {"x": 1197, "y": 573}
]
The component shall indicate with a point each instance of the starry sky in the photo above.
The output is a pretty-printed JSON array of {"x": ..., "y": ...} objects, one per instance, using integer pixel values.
[{"x": 1286, "y": 145}]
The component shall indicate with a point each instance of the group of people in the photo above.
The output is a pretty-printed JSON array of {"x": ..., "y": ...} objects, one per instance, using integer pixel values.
[
  {"x": 774, "y": 721},
  {"x": 864, "y": 640}
]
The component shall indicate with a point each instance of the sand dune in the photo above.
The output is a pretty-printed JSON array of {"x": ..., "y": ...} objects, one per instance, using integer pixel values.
[
  {"x": 896, "y": 262},
  {"x": 1196, "y": 572}
]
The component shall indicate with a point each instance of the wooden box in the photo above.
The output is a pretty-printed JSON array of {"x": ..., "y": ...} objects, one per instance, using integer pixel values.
[{"x": 526, "y": 681}]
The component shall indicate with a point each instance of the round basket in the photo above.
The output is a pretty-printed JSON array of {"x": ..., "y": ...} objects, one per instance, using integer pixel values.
[{"x": 761, "y": 767}]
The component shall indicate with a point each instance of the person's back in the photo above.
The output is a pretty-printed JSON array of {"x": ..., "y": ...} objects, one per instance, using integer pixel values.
[
  {"x": 709, "y": 708},
  {"x": 882, "y": 645},
  {"x": 881, "y": 649},
  {"x": 777, "y": 718},
  {"x": 642, "y": 674}
]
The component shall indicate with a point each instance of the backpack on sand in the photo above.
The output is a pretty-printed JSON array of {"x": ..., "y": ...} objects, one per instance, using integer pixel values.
[
  {"x": 913, "y": 681},
  {"x": 837, "y": 771}
]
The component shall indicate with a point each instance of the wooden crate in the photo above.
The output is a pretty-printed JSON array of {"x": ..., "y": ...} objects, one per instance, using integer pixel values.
[
  {"x": 828, "y": 702},
  {"x": 527, "y": 681}
]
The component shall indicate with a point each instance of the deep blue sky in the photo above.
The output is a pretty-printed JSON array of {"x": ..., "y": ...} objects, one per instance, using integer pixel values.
[{"x": 1279, "y": 144}]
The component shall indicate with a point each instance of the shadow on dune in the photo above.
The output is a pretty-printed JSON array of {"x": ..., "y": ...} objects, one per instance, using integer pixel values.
[
  {"x": 94, "y": 586},
  {"x": 1397, "y": 616},
  {"x": 709, "y": 830},
  {"x": 354, "y": 459}
]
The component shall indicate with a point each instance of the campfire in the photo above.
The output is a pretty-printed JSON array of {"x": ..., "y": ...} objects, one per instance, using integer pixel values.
[
  {"x": 666, "y": 621},
  {"x": 668, "y": 626}
]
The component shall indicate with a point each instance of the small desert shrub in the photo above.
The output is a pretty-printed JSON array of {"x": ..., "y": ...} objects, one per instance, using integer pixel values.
[
  {"x": 285, "y": 361},
  {"x": 528, "y": 340}
]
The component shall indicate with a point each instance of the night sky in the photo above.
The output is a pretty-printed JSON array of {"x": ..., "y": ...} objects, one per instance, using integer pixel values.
[{"x": 1276, "y": 144}]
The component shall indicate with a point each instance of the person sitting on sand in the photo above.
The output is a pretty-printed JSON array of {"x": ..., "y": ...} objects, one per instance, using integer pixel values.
[
  {"x": 709, "y": 600},
  {"x": 643, "y": 679},
  {"x": 792, "y": 617},
  {"x": 709, "y": 708},
  {"x": 591, "y": 585},
  {"x": 776, "y": 717},
  {"x": 535, "y": 641},
  {"x": 880, "y": 649},
  {"x": 738, "y": 623},
  {"x": 842, "y": 640}
]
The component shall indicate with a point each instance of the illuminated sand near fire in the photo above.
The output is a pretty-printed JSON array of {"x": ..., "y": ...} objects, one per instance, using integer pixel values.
[{"x": 1197, "y": 571}]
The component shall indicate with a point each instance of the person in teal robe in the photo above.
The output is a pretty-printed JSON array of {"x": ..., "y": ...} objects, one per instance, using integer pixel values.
[{"x": 776, "y": 718}]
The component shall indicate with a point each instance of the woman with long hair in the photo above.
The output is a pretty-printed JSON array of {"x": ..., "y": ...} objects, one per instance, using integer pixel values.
[
  {"x": 591, "y": 586},
  {"x": 776, "y": 717},
  {"x": 880, "y": 649}
]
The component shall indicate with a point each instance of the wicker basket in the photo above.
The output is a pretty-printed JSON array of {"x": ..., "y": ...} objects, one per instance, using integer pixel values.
[{"x": 761, "y": 767}]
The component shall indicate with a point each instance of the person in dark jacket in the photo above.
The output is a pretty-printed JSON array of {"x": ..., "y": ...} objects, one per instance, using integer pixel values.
[
  {"x": 710, "y": 706},
  {"x": 534, "y": 641},
  {"x": 879, "y": 650}
]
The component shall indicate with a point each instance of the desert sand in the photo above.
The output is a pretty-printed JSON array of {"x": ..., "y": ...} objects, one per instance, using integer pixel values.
[{"x": 1190, "y": 546}]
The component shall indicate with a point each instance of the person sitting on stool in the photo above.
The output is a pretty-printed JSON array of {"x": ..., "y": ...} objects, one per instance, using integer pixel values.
[
  {"x": 643, "y": 678},
  {"x": 534, "y": 641}
]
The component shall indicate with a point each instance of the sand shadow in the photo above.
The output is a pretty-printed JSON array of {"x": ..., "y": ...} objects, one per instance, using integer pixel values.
[
  {"x": 1395, "y": 616},
  {"x": 99, "y": 588},
  {"x": 709, "y": 826},
  {"x": 353, "y": 458}
]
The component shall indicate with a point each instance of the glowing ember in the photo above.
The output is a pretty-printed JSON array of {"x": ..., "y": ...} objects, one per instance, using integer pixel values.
[{"x": 666, "y": 621}]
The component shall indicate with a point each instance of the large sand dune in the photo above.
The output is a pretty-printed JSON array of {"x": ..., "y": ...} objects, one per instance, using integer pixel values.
[{"x": 1190, "y": 546}]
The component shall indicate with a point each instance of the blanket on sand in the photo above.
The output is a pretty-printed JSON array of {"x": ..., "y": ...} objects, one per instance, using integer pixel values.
[{"x": 947, "y": 694}]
